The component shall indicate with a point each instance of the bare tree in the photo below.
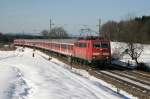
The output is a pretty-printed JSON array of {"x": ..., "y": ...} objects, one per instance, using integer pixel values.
[
  {"x": 110, "y": 29},
  {"x": 134, "y": 51},
  {"x": 58, "y": 32},
  {"x": 131, "y": 37}
]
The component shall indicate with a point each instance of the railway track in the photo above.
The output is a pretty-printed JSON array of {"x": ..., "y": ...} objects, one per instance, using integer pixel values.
[
  {"x": 144, "y": 74},
  {"x": 138, "y": 87},
  {"x": 133, "y": 78},
  {"x": 136, "y": 75}
]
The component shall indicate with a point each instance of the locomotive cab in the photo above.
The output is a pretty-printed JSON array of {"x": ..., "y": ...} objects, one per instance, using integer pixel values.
[
  {"x": 101, "y": 51},
  {"x": 93, "y": 50}
]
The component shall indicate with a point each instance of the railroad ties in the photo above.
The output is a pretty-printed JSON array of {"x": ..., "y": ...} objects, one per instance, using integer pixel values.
[{"x": 131, "y": 81}]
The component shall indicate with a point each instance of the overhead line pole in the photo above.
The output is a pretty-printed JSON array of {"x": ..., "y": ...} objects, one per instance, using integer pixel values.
[
  {"x": 99, "y": 27},
  {"x": 50, "y": 25}
]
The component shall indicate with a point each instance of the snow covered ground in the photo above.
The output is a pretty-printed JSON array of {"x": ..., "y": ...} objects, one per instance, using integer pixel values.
[
  {"x": 117, "y": 47},
  {"x": 25, "y": 77}
]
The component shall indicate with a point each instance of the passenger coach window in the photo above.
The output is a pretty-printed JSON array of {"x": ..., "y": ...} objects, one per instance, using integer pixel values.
[{"x": 64, "y": 46}]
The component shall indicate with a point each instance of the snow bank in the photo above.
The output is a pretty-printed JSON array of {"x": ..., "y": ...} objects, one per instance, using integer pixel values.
[
  {"x": 97, "y": 82},
  {"x": 12, "y": 83},
  {"x": 86, "y": 75},
  {"x": 25, "y": 77}
]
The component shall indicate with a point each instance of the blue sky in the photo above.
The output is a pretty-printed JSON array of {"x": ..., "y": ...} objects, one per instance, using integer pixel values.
[{"x": 34, "y": 15}]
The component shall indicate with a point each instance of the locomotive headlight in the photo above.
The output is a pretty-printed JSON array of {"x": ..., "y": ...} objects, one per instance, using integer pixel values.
[
  {"x": 95, "y": 54},
  {"x": 105, "y": 53}
]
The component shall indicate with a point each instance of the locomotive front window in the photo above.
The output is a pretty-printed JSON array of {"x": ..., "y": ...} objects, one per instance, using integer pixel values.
[
  {"x": 96, "y": 45},
  {"x": 100, "y": 45},
  {"x": 104, "y": 45}
]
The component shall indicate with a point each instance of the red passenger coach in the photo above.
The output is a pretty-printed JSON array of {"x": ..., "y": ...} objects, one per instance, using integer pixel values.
[
  {"x": 58, "y": 46},
  {"x": 90, "y": 50}
]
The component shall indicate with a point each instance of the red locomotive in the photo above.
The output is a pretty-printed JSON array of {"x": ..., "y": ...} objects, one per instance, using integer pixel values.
[{"x": 90, "y": 50}]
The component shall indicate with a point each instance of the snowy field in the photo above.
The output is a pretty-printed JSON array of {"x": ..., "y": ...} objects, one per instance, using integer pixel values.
[
  {"x": 25, "y": 77},
  {"x": 117, "y": 47}
]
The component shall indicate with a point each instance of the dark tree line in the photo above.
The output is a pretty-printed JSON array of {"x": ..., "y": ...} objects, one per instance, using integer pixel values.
[
  {"x": 135, "y": 30},
  {"x": 8, "y": 38}
]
